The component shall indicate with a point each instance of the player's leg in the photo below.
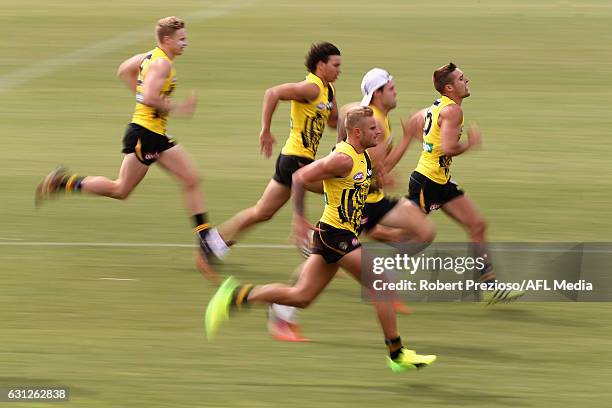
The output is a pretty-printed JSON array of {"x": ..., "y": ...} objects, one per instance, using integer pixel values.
[
  {"x": 132, "y": 171},
  {"x": 401, "y": 224},
  {"x": 315, "y": 276},
  {"x": 409, "y": 223},
  {"x": 400, "y": 358},
  {"x": 177, "y": 162},
  {"x": 273, "y": 199},
  {"x": 463, "y": 210},
  {"x": 283, "y": 322}
]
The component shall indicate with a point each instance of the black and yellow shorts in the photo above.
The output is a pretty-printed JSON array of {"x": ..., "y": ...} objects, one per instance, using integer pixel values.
[
  {"x": 374, "y": 212},
  {"x": 428, "y": 194},
  {"x": 286, "y": 166},
  {"x": 146, "y": 144},
  {"x": 333, "y": 243}
]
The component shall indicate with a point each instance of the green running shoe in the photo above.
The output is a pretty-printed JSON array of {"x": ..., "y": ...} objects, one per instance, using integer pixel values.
[
  {"x": 409, "y": 360},
  {"x": 218, "y": 308}
]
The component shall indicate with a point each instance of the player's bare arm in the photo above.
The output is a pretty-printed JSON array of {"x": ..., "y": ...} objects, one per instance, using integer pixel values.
[
  {"x": 332, "y": 121},
  {"x": 152, "y": 96},
  {"x": 410, "y": 130},
  {"x": 334, "y": 165},
  {"x": 301, "y": 91},
  {"x": 128, "y": 71},
  {"x": 450, "y": 130}
]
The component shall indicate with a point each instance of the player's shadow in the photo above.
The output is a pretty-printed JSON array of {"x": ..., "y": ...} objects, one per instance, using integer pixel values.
[
  {"x": 445, "y": 394},
  {"x": 533, "y": 317}
]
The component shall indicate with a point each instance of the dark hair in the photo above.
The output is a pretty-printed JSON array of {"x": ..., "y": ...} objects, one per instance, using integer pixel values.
[
  {"x": 441, "y": 76},
  {"x": 319, "y": 52}
]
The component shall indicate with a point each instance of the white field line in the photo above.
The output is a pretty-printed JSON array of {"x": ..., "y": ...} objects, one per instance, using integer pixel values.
[
  {"x": 133, "y": 245},
  {"x": 258, "y": 246},
  {"x": 41, "y": 68},
  {"x": 117, "y": 279}
]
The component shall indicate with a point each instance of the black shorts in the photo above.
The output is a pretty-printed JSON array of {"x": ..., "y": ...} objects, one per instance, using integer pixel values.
[
  {"x": 429, "y": 195},
  {"x": 146, "y": 144},
  {"x": 286, "y": 166},
  {"x": 333, "y": 243},
  {"x": 374, "y": 212}
]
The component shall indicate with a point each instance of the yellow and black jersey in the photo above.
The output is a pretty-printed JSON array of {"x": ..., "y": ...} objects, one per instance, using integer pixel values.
[
  {"x": 345, "y": 196},
  {"x": 433, "y": 164},
  {"x": 147, "y": 116},
  {"x": 376, "y": 193},
  {"x": 308, "y": 119}
]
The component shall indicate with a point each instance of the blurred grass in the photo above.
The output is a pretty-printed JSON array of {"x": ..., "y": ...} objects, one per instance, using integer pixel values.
[{"x": 539, "y": 73}]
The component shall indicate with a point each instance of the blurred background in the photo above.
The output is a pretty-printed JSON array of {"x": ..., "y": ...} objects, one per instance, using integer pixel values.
[{"x": 540, "y": 81}]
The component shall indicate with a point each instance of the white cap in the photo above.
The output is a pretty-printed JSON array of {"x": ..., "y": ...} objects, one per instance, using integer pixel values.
[{"x": 374, "y": 79}]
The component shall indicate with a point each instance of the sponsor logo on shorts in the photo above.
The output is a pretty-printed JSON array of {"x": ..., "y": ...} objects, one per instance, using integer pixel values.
[
  {"x": 364, "y": 220},
  {"x": 151, "y": 156},
  {"x": 355, "y": 242},
  {"x": 358, "y": 176},
  {"x": 343, "y": 246},
  {"x": 434, "y": 206}
]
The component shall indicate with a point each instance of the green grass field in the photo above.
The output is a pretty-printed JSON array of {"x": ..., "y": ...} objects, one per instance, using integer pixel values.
[{"x": 540, "y": 74}]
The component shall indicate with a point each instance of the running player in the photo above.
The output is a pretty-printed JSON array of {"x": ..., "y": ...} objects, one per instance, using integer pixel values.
[
  {"x": 385, "y": 218},
  {"x": 152, "y": 77},
  {"x": 431, "y": 186},
  {"x": 313, "y": 105},
  {"x": 346, "y": 175}
]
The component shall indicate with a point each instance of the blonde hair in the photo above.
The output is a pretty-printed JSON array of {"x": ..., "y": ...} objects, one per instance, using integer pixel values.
[
  {"x": 354, "y": 116},
  {"x": 167, "y": 26}
]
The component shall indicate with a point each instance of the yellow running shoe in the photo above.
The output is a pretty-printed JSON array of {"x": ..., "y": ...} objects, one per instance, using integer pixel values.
[
  {"x": 409, "y": 360},
  {"x": 218, "y": 308}
]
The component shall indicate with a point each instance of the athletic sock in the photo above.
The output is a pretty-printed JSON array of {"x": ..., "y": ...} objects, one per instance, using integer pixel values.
[
  {"x": 71, "y": 182},
  {"x": 395, "y": 347},
  {"x": 487, "y": 274},
  {"x": 201, "y": 224},
  {"x": 240, "y": 297},
  {"x": 215, "y": 242}
]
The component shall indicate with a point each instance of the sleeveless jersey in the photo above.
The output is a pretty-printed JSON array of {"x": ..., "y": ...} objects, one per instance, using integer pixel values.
[
  {"x": 308, "y": 119},
  {"x": 376, "y": 193},
  {"x": 345, "y": 196},
  {"x": 433, "y": 164},
  {"x": 147, "y": 116}
]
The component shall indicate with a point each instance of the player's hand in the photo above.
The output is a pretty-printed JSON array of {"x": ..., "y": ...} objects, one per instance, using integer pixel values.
[
  {"x": 188, "y": 107},
  {"x": 266, "y": 140},
  {"x": 301, "y": 230},
  {"x": 474, "y": 137},
  {"x": 410, "y": 129},
  {"x": 387, "y": 180}
]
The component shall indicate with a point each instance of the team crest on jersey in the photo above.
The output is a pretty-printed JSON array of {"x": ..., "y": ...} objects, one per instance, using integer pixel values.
[
  {"x": 323, "y": 106},
  {"x": 358, "y": 176}
]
